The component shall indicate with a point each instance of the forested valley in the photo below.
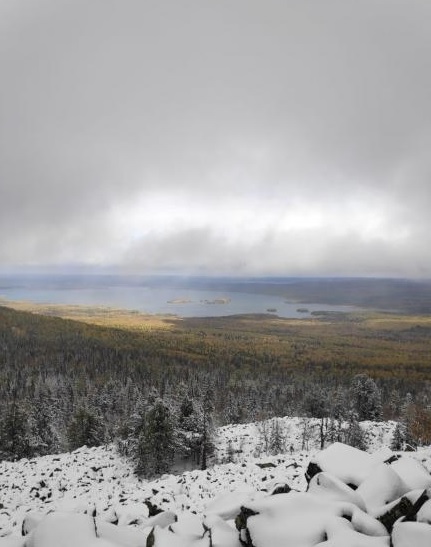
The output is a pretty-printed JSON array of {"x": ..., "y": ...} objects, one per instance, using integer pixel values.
[{"x": 159, "y": 393}]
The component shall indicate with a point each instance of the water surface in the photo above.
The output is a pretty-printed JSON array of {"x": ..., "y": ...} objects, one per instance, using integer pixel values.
[{"x": 159, "y": 299}]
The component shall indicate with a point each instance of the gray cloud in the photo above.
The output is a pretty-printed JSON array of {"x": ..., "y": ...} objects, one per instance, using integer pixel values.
[
  {"x": 297, "y": 252},
  {"x": 290, "y": 137}
]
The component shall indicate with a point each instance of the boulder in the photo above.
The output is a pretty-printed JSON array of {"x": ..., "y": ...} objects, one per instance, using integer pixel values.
[
  {"x": 163, "y": 519},
  {"x": 312, "y": 470},
  {"x": 382, "y": 486},
  {"x": 424, "y": 513},
  {"x": 162, "y": 537},
  {"x": 31, "y": 520},
  {"x": 222, "y": 534},
  {"x": 412, "y": 472},
  {"x": 328, "y": 486},
  {"x": 188, "y": 525},
  {"x": 133, "y": 513},
  {"x": 121, "y": 536},
  {"x": 66, "y": 530},
  {"x": 279, "y": 488},
  {"x": 406, "y": 507},
  {"x": 341, "y": 533},
  {"x": 227, "y": 506},
  {"x": 351, "y": 465},
  {"x": 296, "y": 518}
]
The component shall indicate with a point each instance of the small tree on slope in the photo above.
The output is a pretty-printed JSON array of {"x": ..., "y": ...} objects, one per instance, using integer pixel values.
[
  {"x": 366, "y": 398},
  {"x": 156, "y": 444},
  {"x": 14, "y": 434},
  {"x": 85, "y": 428},
  {"x": 399, "y": 437},
  {"x": 354, "y": 435}
]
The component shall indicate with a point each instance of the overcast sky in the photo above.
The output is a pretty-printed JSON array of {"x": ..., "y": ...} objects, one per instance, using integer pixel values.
[{"x": 287, "y": 137}]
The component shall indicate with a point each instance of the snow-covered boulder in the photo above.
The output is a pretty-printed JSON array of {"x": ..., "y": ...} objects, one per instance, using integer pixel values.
[
  {"x": 31, "y": 520},
  {"x": 122, "y": 536},
  {"x": 227, "y": 506},
  {"x": 163, "y": 519},
  {"x": 96, "y": 501},
  {"x": 405, "y": 507},
  {"x": 383, "y": 485},
  {"x": 161, "y": 537},
  {"x": 412, "y": 472},
  {"x": 222, "y": 534},
  {"x": 67, "y": 530},
  {"x": 341, "y": 533},
  {"x": 326, "y": 485},
  {"x": 347, "y": 463},
  {"x": 189, "y": 526},
  {"x": 134, "y": 513},
  {"x": 424, "y": 513},
  {"x": 302, "y": 519}
]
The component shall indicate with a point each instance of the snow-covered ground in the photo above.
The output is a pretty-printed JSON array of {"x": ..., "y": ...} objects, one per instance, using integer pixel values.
[
  {"x": 98, "y": 482},
  {"x": 247, "y": 440}
]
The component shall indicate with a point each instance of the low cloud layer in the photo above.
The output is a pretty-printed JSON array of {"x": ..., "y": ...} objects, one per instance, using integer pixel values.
[{"x": 218, "y": 137}]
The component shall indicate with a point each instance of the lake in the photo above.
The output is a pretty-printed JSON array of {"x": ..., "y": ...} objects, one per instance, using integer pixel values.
[{"x": 155, "y": 298}]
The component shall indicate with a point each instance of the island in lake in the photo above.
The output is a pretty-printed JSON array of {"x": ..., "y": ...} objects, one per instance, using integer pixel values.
[
  {"x": 180, "y": 301},
  {"x": 223, "y": 300},
  {"x": 303, "y": 310}
]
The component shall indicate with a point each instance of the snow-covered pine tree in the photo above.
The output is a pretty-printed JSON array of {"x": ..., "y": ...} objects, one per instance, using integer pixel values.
[
  {"x": 354, "y": 435},
  {"x": 399, "y": 437},
  {"x": 277, "y": 439},
  {"x": 408, "y": 420},
  {"x": 85, "y": 428},
  {"x": 366, "y": 398},
  {"x": 197, "y": 425},
  {"x": 156, "y": 444},
  {"x": 317, "y": 405},
  {"x": 204, "y": 413},
  {"x": 339, "y": 410},
  {"x": 45, "y": 422},
  {"x": 14, "y": 433}
]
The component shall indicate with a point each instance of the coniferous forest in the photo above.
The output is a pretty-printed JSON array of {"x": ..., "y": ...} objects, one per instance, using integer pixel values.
[{"x": 159, "y": 393}]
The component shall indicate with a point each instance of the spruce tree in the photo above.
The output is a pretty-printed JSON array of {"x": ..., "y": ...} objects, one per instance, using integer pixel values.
[
  {"x": 45, "y": 423},
  {"x": 366, "y": 398},
  {"x": 317, "y": 405},
  {"x": 156, "y": 444},
  {"x": 408, "y": 421},
  {"x": 398, "y": 438},
  {"x": 354, "y": 435},
  {"x": 204, "y": 414},
  {"x": 277, "y": 438},
  {"x": 14, "y": 433},
  {"x": 85, "y": 428}
]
